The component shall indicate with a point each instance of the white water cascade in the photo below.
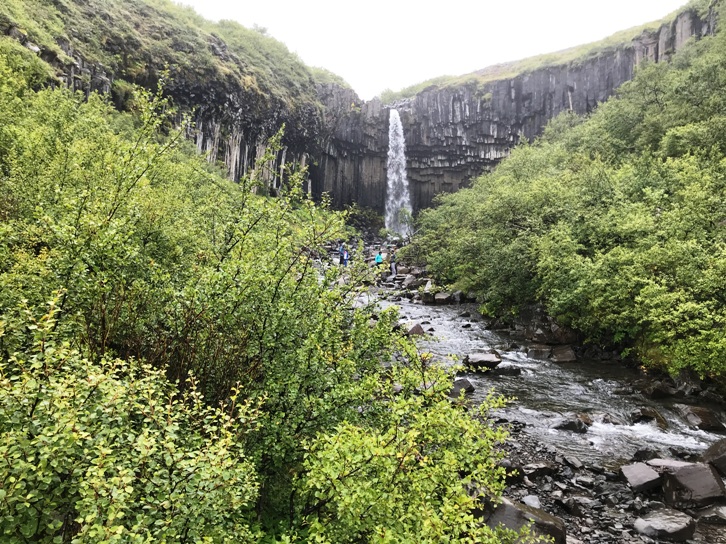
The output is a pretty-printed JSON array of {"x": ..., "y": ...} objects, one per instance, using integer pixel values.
[{"x": 397, "y": 195}]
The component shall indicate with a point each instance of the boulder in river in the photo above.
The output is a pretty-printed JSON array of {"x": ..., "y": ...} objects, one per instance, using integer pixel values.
[
  {"x": 701, "y": 418},
  {"x": 443, "y": 298},
  {"x": 483, "y": 361},
  {"x": 697, "y": 484},
  {"x": 515, "y": 516},
  {"x": 507, "y": 370},
  {"x": 414, "y": 329},
  {"x": 563, "y": 354},
  {"x": 412, "y": 282},
  {"x": 666, "y": 524},
  {"x": 640, "y": 477},
  {"x": 658, "y": 390},
  {"x": 572, "y": 423},
  {"x": 649, "y": 414},
  {"x": 539, "y": 351},
  {"x": 461, "y": 384},
  {"x": 716, "y": 455}
]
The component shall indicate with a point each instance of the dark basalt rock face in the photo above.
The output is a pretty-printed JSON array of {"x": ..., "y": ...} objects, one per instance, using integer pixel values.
[{"x": 454, "y": 134}]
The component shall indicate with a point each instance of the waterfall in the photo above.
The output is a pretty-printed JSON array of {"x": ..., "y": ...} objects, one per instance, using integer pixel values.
[{"x": 397, "y": 195}]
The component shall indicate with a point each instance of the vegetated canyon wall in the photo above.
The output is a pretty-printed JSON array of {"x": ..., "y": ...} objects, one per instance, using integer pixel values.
[{"x": 453, "y": 134}]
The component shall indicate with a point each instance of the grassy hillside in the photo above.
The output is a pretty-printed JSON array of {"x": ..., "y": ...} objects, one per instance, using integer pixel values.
[
  {"x": 134, "y": 39},
  {"x": 576, "y": 54}
]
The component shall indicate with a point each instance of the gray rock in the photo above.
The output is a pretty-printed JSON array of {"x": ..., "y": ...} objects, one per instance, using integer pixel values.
[
  {"x": 715, "y": 515},
  {"x": 697, "y": 484},
  {"x": 573, "y": 461},
  {"x": 574, "y": 424},
  {"x": 443, "y": 298},
  {"x": 659, "y": 390},
  {"x": 563, "y": 354},
  {"x": 483, "y": 361},
  {"x": 640, "y": 477},
  {"x": 716, "y": 455},
  {"x": 412, "y": 282},
  {"x": 580, "y": 506},
  {"x": 515, "y": 516},
  {"x": 540, "y": 352},
  {"x": 666, "y": 524},
  {"x": 701, "y": 418},
  {"x": 649, "y": 414},
  {"x": 667, "y": 465},
  {"x": 461, "y": 384},
  {"x": 507, "y": 370},
  {"x": 414, "y": 329},
  {"x": 538, "y": 470},
  {"x": 532, "y": 500}
]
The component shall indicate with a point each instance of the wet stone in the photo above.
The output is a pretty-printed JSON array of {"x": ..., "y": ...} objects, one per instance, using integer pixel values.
[
  {"x": 716, "y": 455},
  {"x": 515, "y": 516},
  {"x": 539, "y": 352},
  {"x": 640, "y": 477},
  {"x": 697, "y": 484},
  {"x": 461, "y": 384},
  {"x": 414, "y": 329},
  {"x": 574, "y": 424},
  {"x": 666, "y": 524},
  {"x": 701, "y": 418},
  {"x": 563, "y": 354},
  {"x": 715, "y": 515},
  {"x": 483, "y": 361}
]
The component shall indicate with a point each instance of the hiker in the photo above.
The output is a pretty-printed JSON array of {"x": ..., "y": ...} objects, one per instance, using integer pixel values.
[
  {"x": 341, "y": 253},
  {"x": 379, "y": 257},
  {"x": 394, "y": 270}
]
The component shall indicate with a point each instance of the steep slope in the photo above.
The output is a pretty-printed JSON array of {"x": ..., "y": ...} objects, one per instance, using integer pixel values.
[{"x": 242, "y": 84}]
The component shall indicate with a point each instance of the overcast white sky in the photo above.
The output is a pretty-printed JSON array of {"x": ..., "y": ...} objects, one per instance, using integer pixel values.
[{"x": 379, "y": 44}]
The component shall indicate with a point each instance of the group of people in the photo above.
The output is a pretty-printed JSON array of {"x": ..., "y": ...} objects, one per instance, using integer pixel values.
[{"x": 345, "y": 257}]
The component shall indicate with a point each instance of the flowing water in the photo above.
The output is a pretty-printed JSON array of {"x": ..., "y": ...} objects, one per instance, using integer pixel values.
[
  {"x": 398, "y": 198},
  {"x": 547, "y": 391}
]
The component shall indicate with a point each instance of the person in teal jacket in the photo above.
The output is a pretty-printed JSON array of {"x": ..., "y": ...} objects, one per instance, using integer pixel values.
[{"x": 379, "y": 257}]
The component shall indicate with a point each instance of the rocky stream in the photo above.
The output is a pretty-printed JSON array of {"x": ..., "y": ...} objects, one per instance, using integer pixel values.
[{"x": 599, "y": 452}]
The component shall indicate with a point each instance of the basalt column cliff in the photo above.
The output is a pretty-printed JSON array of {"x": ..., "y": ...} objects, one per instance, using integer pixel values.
[{"x": 455, "y": 133}]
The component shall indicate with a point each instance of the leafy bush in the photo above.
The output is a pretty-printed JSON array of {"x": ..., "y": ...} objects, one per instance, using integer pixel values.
[{"x": 110, "y": 452}]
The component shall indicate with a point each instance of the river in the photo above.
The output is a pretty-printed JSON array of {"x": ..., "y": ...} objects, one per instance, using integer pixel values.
[{"x": 547, "y": 391}]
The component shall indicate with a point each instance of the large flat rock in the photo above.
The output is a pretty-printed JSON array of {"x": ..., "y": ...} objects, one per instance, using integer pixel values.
[
  {"x": 640, "y": 477},
  {"x": 697, "y": 484},
  {"x": 666, "y": 524},
  {"x": 483, "y": 361},
  {"x": 516, "y": 515}
]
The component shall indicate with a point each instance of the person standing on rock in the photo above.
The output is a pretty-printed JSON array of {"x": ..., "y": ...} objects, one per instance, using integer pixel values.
[
  {"x": 379, "y": 257},
  {"x": 341, "y": 254},
  {"x": 394, "y": 270},
  {"x": 345, "y": 257}
]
